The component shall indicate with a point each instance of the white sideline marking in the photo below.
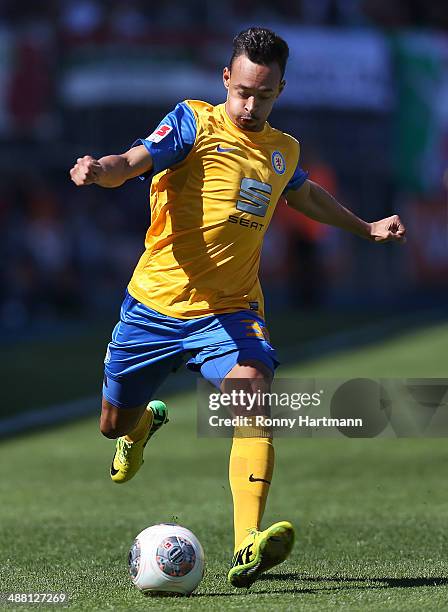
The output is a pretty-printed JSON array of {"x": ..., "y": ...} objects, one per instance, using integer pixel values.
[
  {"x": 67, "y": 411},
  {"x": 55, "y": 414}
]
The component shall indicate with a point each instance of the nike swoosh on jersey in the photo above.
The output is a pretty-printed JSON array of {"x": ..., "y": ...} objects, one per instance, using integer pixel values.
[{"x": 224, "y": 150}]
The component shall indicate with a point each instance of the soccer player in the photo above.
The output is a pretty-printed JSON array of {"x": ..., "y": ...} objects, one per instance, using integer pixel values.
[{"x": 217, "y": 173}]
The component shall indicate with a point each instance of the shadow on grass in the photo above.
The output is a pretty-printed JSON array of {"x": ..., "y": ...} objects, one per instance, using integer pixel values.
[
  {"x": 349, "y": 584},
  {"x": 385, "y": 582}
]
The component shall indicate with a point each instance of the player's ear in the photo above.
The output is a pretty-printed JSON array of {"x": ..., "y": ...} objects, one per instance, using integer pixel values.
[
  {"x": 226, "y": 77},
  {"x": 281, "y": 87}
]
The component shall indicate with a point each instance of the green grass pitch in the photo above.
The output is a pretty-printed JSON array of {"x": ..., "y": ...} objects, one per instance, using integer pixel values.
[{"x": 371, "y": 515}]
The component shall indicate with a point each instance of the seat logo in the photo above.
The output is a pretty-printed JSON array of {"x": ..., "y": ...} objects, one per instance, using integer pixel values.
[{"x": 254, "y": 197}]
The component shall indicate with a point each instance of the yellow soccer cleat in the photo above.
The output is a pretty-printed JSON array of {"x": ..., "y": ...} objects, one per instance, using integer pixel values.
[
  {"x": 260, "y": 551},
  {"x": 128, "y": 457}
]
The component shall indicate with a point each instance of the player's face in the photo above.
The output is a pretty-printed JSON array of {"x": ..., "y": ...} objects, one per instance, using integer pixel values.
[{"x": 252, "y": 90}]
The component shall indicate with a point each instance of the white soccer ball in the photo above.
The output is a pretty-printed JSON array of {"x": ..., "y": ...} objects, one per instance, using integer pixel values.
[{"x": 166, "y": 558}]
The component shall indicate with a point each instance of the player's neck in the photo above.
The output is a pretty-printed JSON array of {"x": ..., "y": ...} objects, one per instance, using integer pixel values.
[{"x": 248, "y": 133}]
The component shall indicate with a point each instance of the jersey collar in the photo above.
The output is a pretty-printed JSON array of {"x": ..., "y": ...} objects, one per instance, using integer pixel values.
[{"x": 248, "y": 135}]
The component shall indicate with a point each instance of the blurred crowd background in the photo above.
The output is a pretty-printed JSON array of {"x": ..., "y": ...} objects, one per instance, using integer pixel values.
[{"x": 367, "y": 96}]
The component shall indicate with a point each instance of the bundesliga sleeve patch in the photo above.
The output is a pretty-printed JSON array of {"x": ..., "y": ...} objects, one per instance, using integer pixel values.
[{"x": 160, "y": 133}]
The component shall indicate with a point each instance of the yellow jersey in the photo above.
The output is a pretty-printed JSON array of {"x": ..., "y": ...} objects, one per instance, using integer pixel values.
[{"x": 213, "y": 193}]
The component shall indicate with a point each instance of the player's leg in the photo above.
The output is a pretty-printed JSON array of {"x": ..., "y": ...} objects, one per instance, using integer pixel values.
[
  {"x": 250, "y": 474},
  {"x": 129, "y": 418},
  {"x": 133, "y": 423},
  {"x": 133, "y": 427},
  {"x": 116, "y": 422},
  {"x": 138, "y": 360},
  {"x": 252, "y": 455},
  {"x": 234, "y": 353}
]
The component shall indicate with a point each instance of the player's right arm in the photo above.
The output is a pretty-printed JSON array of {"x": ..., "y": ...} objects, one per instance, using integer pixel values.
[
  {"x": 169, "y": 144},
  {"x": 112, "y": 170}
]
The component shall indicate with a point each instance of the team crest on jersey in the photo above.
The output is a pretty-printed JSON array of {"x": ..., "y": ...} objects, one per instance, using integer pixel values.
[
  {"x": 160, "y": 133},
  {"x": 278, "y": 162}
]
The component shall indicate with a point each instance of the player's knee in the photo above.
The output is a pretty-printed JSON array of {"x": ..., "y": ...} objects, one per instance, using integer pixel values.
[
  {"x": 113, "y": 424},
  {"x": 109, "y": 430},
  {"x": 251, "y": 369},
  {"x": 111, "y": 427},
  {"x": 116, "y": 422},
  {"x": 250, "y": 375}
]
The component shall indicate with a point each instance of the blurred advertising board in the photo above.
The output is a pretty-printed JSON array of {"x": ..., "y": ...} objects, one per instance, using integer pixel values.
[
  {"x": 428, "y": 224},
  {"x": 421, "y": 61},
  {"x": 336, "y": 68},
  {"x": 5, "y": 74}
]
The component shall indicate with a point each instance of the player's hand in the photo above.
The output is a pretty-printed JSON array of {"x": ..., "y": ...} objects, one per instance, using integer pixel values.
[
  {"x": 86, "y": 171},
  {"x": 390, "y": 229}
]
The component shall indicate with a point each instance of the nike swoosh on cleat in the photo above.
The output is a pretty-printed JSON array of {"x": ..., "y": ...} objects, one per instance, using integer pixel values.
[
  {"x": 113, "y": 471},
  {"x": 224, "y": 150},
  {"x": 252, "y": 479}
]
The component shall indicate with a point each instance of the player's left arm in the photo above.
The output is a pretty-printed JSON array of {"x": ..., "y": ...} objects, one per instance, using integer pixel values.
[{"x": 313, "y": 201}]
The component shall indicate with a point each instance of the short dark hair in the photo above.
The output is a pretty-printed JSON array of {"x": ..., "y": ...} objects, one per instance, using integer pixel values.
[{"x": 262, "y": 46}]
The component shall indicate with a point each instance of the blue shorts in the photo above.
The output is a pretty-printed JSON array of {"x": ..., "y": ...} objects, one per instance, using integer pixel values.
[{"x": 147, "y": 345}]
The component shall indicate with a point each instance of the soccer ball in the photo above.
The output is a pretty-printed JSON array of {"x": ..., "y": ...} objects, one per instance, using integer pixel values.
[{"x": 166, "y": 558}]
